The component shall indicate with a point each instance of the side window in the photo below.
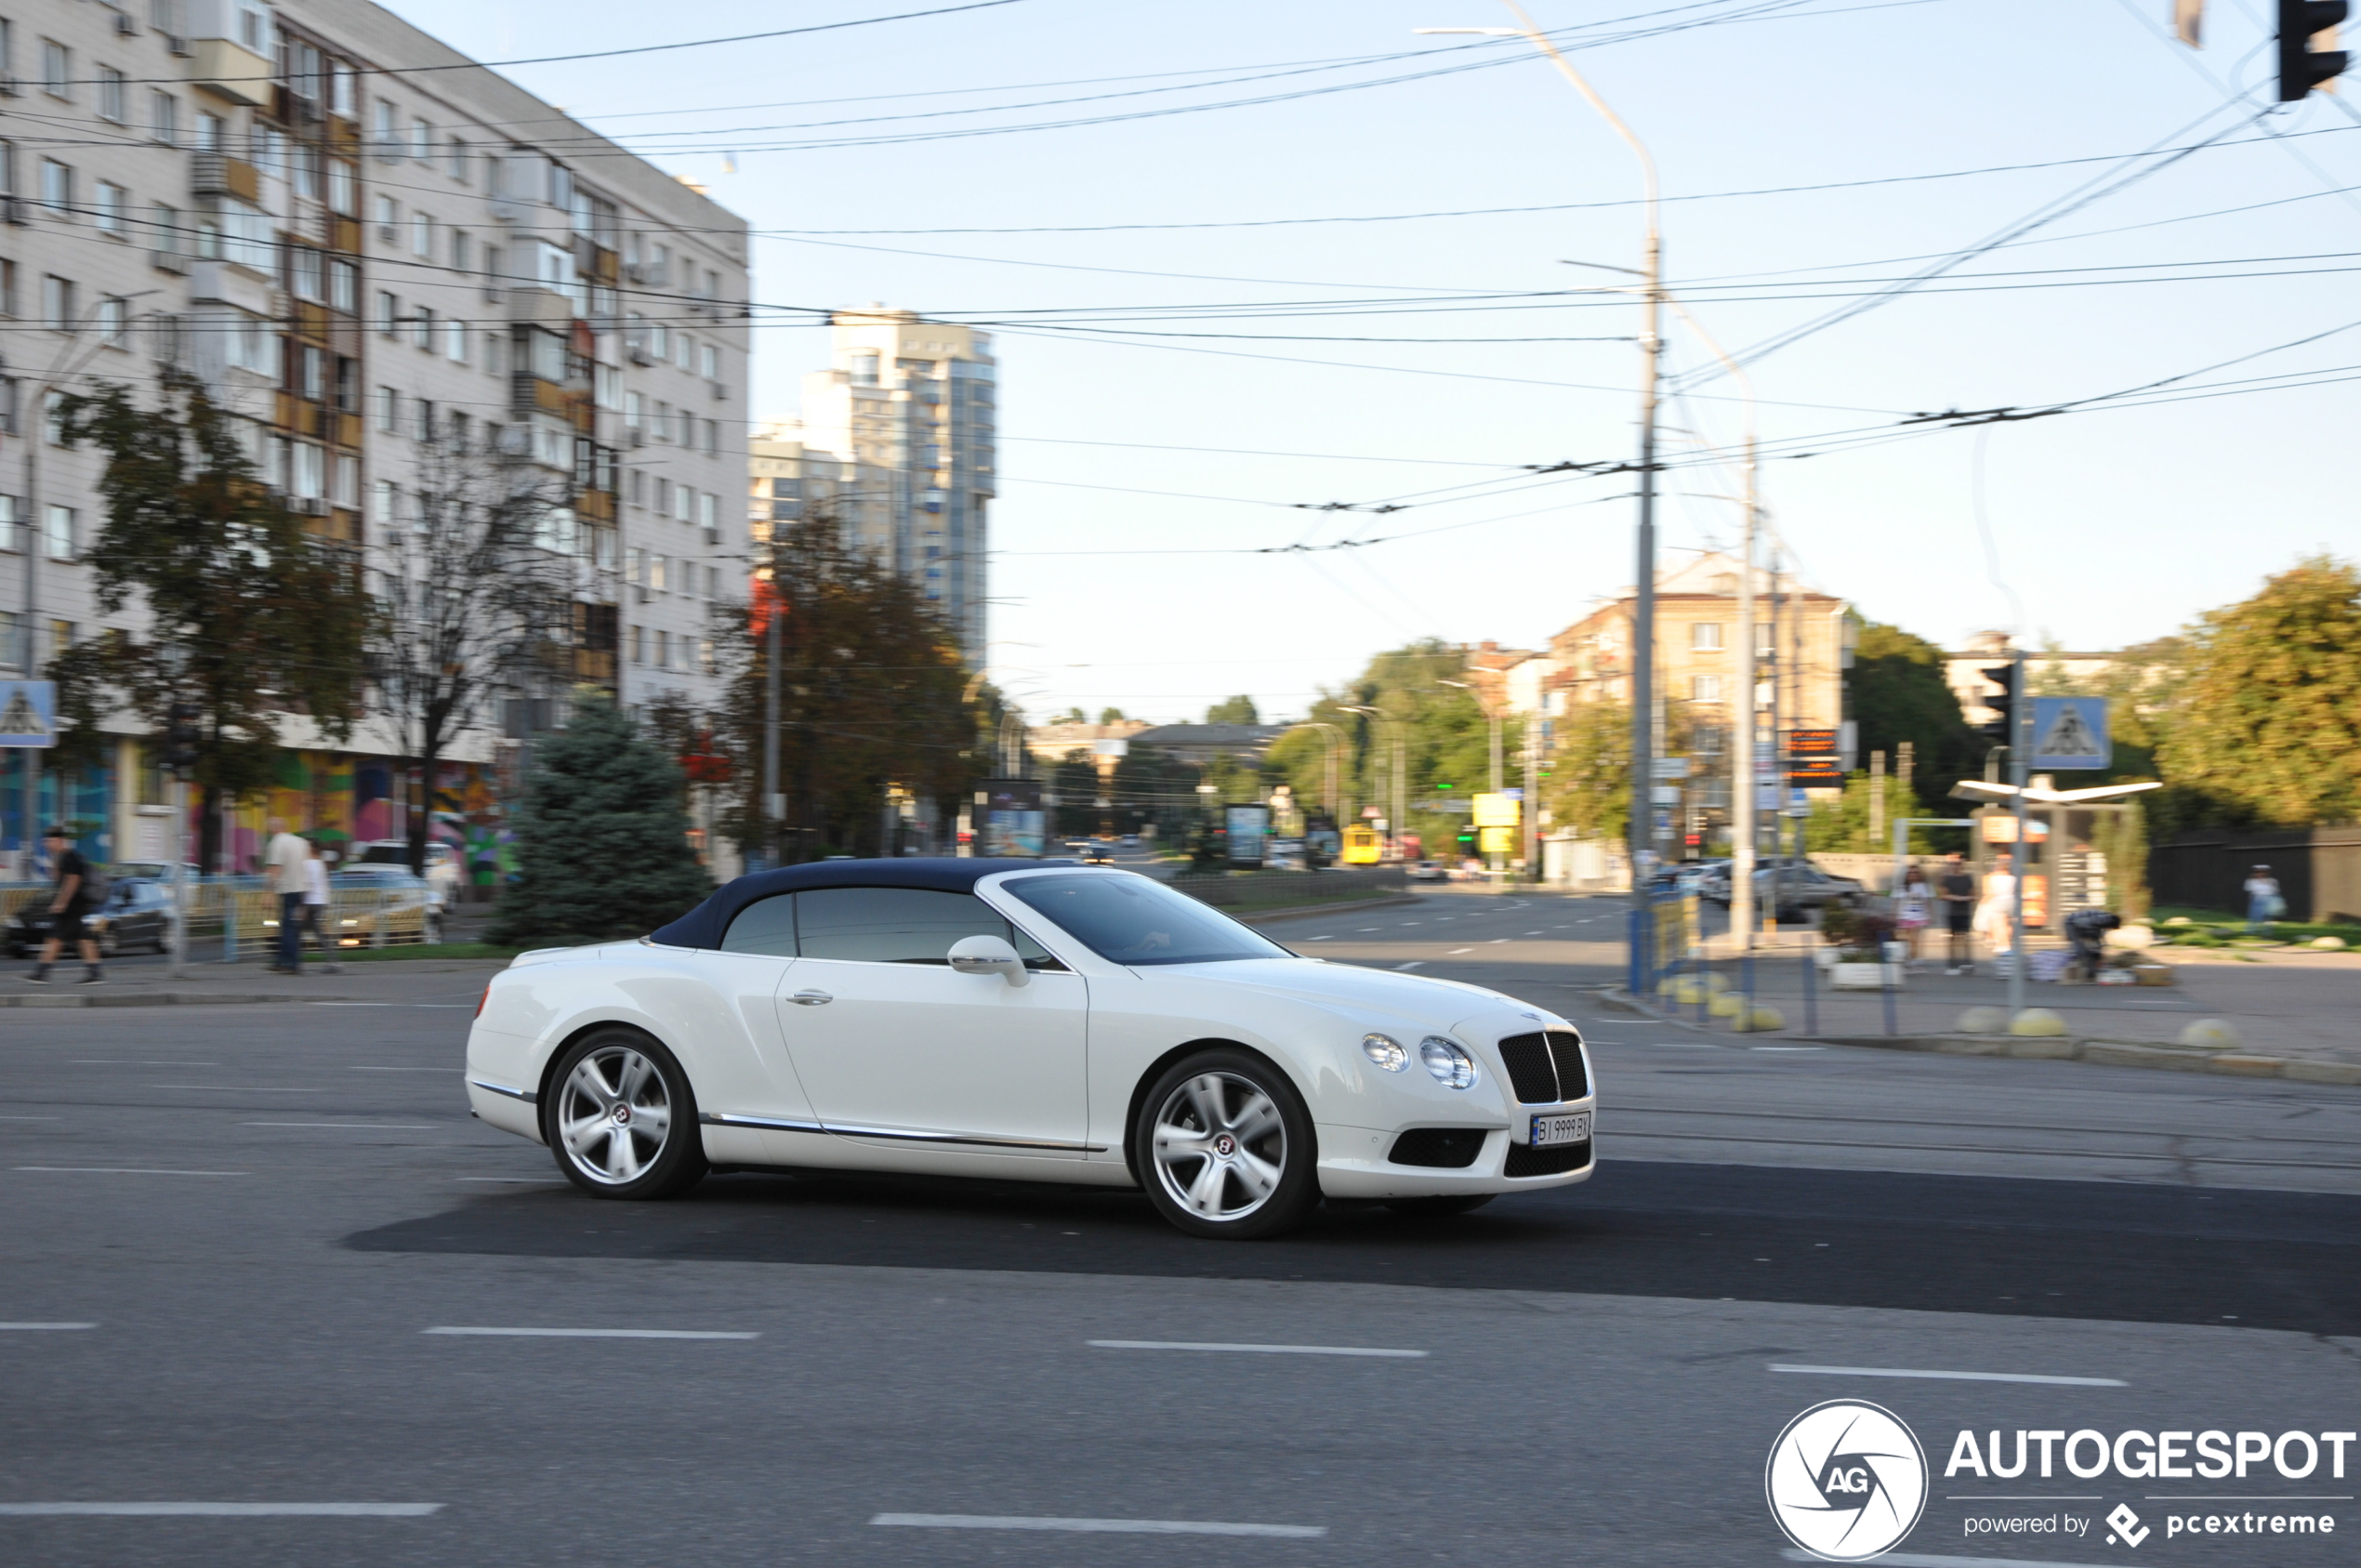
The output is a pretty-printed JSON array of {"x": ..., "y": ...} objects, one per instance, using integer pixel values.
[
  {"x": 890, "y": 924},
  {"x": 766, "y": 925}
]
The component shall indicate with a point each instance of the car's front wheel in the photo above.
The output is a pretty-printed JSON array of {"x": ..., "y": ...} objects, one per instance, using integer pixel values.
[
  {"x": 1225, "y": 1147},
  {"x": 620, "y": 1119}
]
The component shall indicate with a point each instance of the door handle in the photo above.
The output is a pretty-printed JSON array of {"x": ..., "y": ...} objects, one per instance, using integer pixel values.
[{"x": 811, "y": 998}]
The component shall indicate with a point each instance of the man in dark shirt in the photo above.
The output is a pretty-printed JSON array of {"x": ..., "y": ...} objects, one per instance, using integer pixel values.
[
  {"x": 67, "y": 907},
  {"x": 1956, "y": 888}
]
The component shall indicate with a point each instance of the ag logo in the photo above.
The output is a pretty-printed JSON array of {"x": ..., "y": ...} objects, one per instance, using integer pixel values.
[{"x": 1846, "y": 1481}]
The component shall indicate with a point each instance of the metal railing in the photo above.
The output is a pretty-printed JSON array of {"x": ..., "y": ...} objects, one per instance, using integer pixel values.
[{"x": 226, "y": 918}]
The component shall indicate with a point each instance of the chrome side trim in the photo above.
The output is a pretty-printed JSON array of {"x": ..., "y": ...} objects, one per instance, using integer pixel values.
[
  {"x": 526, "y": 1095},
  {"x": 771, "y": 1124},
  {"x": 781, "y": 1124},
  {"x": 904, "y": 1135}
]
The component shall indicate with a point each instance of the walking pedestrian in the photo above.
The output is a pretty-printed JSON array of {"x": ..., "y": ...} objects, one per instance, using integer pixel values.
[
  {"x": 1992, "y": 917},
  {"x": 68, "y": 905},
  {"x": 1956, "y": 890},
  {"x": 315, "y": 906},
  {"x": 2263, "y": 903},
  {"x": 1911, "y": 908},
  {"x": 282, "y": 862}
]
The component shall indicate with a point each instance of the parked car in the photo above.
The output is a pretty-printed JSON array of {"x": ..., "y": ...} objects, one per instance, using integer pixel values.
[
  {"x": 443, "y": 873},
  {"x": 1098, "y": 851},
  {"x": 136, "y": 916},
  {"x": 1428, "y": 871},
  {"x": 1800, "y": 885},
  {"x": 410, "y": 913},
  {"x": 1006, "y": 1018}
]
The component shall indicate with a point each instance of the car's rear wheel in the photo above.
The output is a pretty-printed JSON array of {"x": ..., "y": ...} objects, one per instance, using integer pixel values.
[
  {"x": 1441, "y": 1205},
  {"x": 621, "y": 1118},
  {"x": 1225, "y": 1147}
]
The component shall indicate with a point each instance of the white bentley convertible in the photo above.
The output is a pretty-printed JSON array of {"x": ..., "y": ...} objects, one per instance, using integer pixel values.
[{"x": 1029, "y": 1021}]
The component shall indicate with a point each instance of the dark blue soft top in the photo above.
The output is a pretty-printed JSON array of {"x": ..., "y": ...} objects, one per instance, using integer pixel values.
[{"x": 703, "y": 925}]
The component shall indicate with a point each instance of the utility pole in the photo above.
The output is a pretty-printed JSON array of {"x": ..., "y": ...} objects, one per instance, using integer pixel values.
[
  {"x": 775, "y": 803},
  {"x": 2020, "y": 758}
]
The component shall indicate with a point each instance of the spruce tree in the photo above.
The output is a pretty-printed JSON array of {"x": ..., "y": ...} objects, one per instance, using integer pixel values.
[{"x": 602, "y": 842}]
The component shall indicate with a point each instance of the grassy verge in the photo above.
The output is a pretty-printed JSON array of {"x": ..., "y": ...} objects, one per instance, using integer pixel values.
[{"x": 2211, "y": 928}]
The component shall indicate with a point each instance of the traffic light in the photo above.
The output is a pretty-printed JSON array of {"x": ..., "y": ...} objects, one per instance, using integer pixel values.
[
  {"x": 2301, "y": 67},
  {"x": 1468, "y": 838},
  {"x": 180, "y": 737},
  {"x": 2003, "y": 729}
]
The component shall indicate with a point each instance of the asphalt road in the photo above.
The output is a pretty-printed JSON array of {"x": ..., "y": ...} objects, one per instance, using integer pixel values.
[{"x": 262, "y": 1215}]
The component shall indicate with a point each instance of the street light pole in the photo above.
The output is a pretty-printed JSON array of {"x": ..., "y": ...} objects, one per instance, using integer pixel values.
[{"x": 1643, "y": 617}]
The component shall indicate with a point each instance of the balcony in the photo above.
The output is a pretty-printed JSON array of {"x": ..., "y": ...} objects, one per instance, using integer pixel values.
[
  {"x": 218, "y": 174},
  {"x": 237, "y": 73}
]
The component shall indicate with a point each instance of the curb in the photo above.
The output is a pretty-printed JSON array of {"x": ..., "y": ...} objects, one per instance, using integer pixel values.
[
  {"x": 154, "y": 999},
  {"x": 2054, "y": 1047}
]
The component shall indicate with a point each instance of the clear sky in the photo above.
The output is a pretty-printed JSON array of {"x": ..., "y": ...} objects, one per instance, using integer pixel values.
[{"x": 2111, "y": 525}]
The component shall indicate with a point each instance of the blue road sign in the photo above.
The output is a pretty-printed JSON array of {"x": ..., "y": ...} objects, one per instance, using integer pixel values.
[
  {"x": 2070, "y": 734},
  {"x": 28, "y": 713}
]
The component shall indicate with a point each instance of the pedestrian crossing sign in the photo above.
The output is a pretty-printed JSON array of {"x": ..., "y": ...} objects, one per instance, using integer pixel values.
[
  {"x": 28, "y": 713},
  {"x": 2070, "y": 733}
]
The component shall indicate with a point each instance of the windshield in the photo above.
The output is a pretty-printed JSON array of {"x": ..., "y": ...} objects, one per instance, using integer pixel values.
[{"x": 1132, "y": 920}]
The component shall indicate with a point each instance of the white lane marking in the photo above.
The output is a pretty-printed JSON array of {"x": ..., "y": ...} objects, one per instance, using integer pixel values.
[
  {"x": 1359, "y": 929},
  {"x": 596, "y": 1333},
  {"x": 1954, "y": 1376},
  {"x": 44, "y": 1327},
  {"x": 1414, "y": 922},
  {"x": 1929, "y": 1559},
  {"x": 134, "y": 1061},
  {"x": 1096, "y": 1526},
  {"x": 235, "y": 1088},
  {"x": 1678, "y": 1044},
  {"x": 453, "y": 1004},
  {"x": 517, "y": 1180},
  {"x": 1787, "y": 1047},
  {"x": 1253, "y": 1349},
  {"x": 225, "y": 1510},
  {"x": 126, "y": 1170},
  {"x": 1411, "y": 965},
  {"x": 1320, "y": 938},
  {"x": 1456, "y": 951},
  {"x": 1497, "y": 941},
  {"x": 28, "y": 1118},
  {"x": 409, "y": 1069},
  {"x": 347, "y": 1003},
  {"x": 359, "y": 1126}
]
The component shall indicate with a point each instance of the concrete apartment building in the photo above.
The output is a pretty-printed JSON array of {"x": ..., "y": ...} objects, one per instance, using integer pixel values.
[
  {"x": 388, "y": 260},
  {"x": 906, "y": 420}
]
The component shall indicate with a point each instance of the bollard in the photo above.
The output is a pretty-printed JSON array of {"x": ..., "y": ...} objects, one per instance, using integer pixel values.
[
  {"x": 1810, "y": 997},
  {"x": 1885, "y": 989},
  {"x": 1745, "y": 982}
]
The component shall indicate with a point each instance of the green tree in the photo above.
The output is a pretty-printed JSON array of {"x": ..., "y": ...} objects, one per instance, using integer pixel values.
[
  {"x": 2141, "y": 685},
  {"x": 2267, "y": 725},
  {"x": 1111, "y": 715},
  {"x": 250, "y": 618},
  {"x": 2122, "y": 837},
  {"x": 1072, "y": 715},
  {"x": 1899, "y": 695},
  {"x": 1842, "y": 826},
  {"x": 1589, "y": 787},
  {"x": 1233, "y": 710},
  {"x": 603, "y": 840}
]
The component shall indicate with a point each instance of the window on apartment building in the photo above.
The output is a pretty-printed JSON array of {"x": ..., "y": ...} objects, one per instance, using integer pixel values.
[
  {"x": 57, "y": 303},
  {"x": 1705, "y": 688},
  {"x": 308, "y": 473},
  {"x": 633, "y": 565},
  {"x": 347, "y": 385},
  {"x": 1764, "y": 632},
  {"x": 254, "y": 31},
  {"x": 56, "y": 187},
  {"x": 342, "y": 98},
  {"x": 421, "y": 141},
  {"x": 712, "y": 438},
  {"x": 423, "y": 423},
  {"x": 455, "y": 158},
  {"x": 663, "y": 421},
  {"x": 110, "y": 94},
  {"x": 114, "y": 322},
  {"x": 389, "y": 219},
  {"x": 312, "y": 374},
  {"x": 709, "y": 361},
  {"x": 712, "y": 285},
  {"x": 304, "y": 172},
  {"x": 462, "y": 251},
  {"x": 212, "y": 131},
  {"x": 344, "y": 287},
  {"x": 454, "y": 341},
  {"x": 8, "y": 292},
  {"x": 659, "y": 342},
  {"x": 1705, "y": 636},
  {"x": 656, "y": 565},
  {"x": 7, "y": 45},
  {"x": 663, "y": 496},
  {"x": 707, "y": 514},
  {"x": 8, "y": 167},
  {"x": 381, "y": 501},
  {"x": 344, "y": 188},
  {"x": 389, "y": 313},
  {"x": 164, "y": 222},
  {"x": 422, "y": 329},
  {"x": 638, "y": 645},
  {"x": 637, "y": 486},
  {"x": 243, "y": 234},
  {"x": 865, "y": 370},
  {"x": 251, "y": 345},
  {"x": 107, "y": 203},
  {"x": 57, "y": 69},
  {"x": 308, "y": 274},
  {"x": 11, "y": 540},
  {"x": 458, "y": 429},
  {"x": 684, "y": 502},
  {"x": 388, "y": 149},
  {"x": 422, "y": 236},
  {"x": 606, "y": 386},
  {"x": 56, "y": 533},
  {"x": 346, "y": 489},
  {"x": 684, "y": 350}
]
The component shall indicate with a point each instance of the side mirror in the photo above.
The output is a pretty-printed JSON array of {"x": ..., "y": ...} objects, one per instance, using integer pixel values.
[{"x": 988, "y": 956}]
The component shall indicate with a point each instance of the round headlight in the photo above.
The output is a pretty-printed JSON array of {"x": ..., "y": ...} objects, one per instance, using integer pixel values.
[
  {"x": 1385, "y": 1052},
  {"x": 1448, "y": 1060}
]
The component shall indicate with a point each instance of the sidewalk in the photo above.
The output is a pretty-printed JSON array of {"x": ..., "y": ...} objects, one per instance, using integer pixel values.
[
  {"x": 2296, "y": 1005},
  {"x": 416, "y": 982}
]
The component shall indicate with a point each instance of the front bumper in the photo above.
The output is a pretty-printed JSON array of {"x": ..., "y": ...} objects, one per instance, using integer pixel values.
[{"x": 1354, "y": 1163}]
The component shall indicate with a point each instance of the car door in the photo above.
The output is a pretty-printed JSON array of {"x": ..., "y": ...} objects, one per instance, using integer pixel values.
[{"x": 895, "y": 1048}]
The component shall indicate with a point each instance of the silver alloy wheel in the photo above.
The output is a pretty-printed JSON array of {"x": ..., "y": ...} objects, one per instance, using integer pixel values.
[
  {"x": 614, "y": 1115},
  {"x": 1221, "y": 1146}
]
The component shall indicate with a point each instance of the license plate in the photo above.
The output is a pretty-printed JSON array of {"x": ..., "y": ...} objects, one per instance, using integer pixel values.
[{"x": 1570, "y": 1128}]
